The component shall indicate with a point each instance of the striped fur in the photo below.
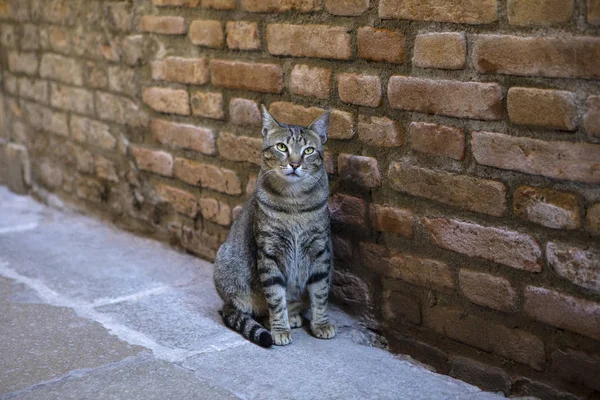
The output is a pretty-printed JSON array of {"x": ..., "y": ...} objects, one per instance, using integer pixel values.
[{"x": 278, "y": 255}]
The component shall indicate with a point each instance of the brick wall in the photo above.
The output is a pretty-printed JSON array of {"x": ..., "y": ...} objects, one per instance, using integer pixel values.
[{"x": 464, "y": 153}]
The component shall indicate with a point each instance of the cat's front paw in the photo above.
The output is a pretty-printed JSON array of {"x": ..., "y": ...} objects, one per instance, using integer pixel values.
[
  {"x": 282, "y": 338},
  {"x": 295, "y": 321},
  {"x": 323, "y": 331}
]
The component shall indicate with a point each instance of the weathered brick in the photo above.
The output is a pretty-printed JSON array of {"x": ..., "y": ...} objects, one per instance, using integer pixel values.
[
  {"x": 359, "y": 170},
  {"x": 206, "y": 33},
  {"x": 50, "y": 174},
  {"x": 242, "y": 35},
  {"x": 56, "y": 11},
  {"x": 123, "y": 79},
  {"x": 207, "y": 104},
  {"x": 560, "y": 57},
  {"x": 72, "y": 98},
  {"x": 347, "y": 7},
  {"x": 468, "y": 12},
  {"x": 175, "y": 101},
  {"x": 219, "y": 4},
  {"x": 18, "y": 170},
  {"x": 95, "y": 133},
  {"x": 547, "y": 207},
  {"x": 182, "y": 202},
  {"x": 239, "y": 148},
  {"x": 364, "y": 90},
  {"x": 563, "y": 311},
  {"x": 266, "y": 78},
  {"x": 455, "y": 99},
  {"x": 156, "y": 161},
  {"x": 577, "y": 367},
  {"x": 482, "y": 375},
  {"x": 399, "y": 308},
  {"x": 561, "y": 160},
  {"x": 514, "y": 249},
  {"x": 208, "y": 176},
  {"x": 201, "y": 243},
  {"x": 183, "y": 70},
  {"x": 488, "y": 290},
  {"x": 134, "y": 49},
  {"x": 374, "y": 257},
  {"x": 470, "y": 193},
  {"x": 8, "y": 36},
  {"x": 251, "y": 185},
  {"x": 381, "y": 45},
  {"x": 577, "y": 265},
  {"x": 120, "y": 110},
  {"x": 546, "y": 108},
  {"x": 31, "y": 37},
  {"x": 165, "y": 25},
  {"x": 184, "y": 136},
  {"x": 542, "y": 13},
  {"x": 244, "y": 112},
  {"x": 119, "y": 16},
  {"x": 34, "y": 89},
  {"x": 60, "y": 68},
  {"x": 216, "y": 211},
  {"x": 436, "y": 139},
  {"x": 380, "y": 131},
  {"x": 176, "y": 3},
  {"x": 391, "y": 219},
  {"x": 424, "y": 272},
  {"x": 593, "y": 14},
  {"x": 321, "y": 41},
  {"x": 26, "y": 63},
  {"x": 329, "y": 161},
  {"x": 515, "y": 344},
  {"x": 90, "y": 189},
  {"x": 58, "y": 39},
  {"x": 11, "y": 83},
  {"x": 592, "y": 220},
  {"x": 95, "y": 75},
  {"x": 341, "y": 124},
  {"x": 310, "y": 81},
  {"x": 267, "y": 6},
  {"x": 446, "y": 50},
  {"x": 105, "y": 169},
  {"x": 592, "y": 116},
  {"x": 350, "y": 290},
  {"x": 348, "y": 210},
  {"x": 44, "y": 118}
]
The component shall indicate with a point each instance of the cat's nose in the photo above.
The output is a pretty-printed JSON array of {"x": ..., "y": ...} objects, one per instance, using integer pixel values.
[{"x": 294, "y": 165}]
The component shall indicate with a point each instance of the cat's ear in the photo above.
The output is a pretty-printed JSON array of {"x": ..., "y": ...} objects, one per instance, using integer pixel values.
[
  {"x": 320, "y": 126},
  {"x": 268, "y": 122}
]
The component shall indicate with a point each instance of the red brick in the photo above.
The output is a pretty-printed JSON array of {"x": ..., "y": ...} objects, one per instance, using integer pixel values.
[
  {"x": 561, "y": 160},
  {"x": 239, "y": 148},
  {"x": 482, "y": 375},
  {"x": 502, "y": 246},
  {"x": 399, "y": 308},
  {"x": 350, "y": 290},
  {"x": 446, "y": 50},
  {"x": 320, "y": 41},
  {"x": 34, "y": 89},
  {"x": 158, "y": 162},
  {"x": 514, "y": 344},
  {"x": 560, "y": 57},
  {"x": 543, "y": 13},
  {"x": 26, "y": 63},
  {"x": 380, "y": 131},
  {"x": 391, "y": 219},
  {"x": 310, "y": 81},
  {"x": 176, "y": 3},
  {"x": 474, "y": 194},
  {"x": 577, "y": 367},
  {"x": 120, "y": 110},
  {"x": 162, "y": 24},
  {"x": 348, "y": 210},
  {"x": 436, "y": 139},
  {"x": 208, "y": 104},
  {"x": 563, "y": 311},
  {"x": 267, "y": 6},
  {"x": 359, "y": 170},
  {"x": 266, "y": 78},
  {"x": 183, "y": 70},
  {"x": 206, "y": 33},
  {"x": 593, "y": 14},
  {"x": 455, "y": 99},
  {"x": 592, "y": 220},
  {"x": 468, "y": 12},
  {"x": 175, "y": 101},
  {"x": 364, "y": 90},
  {"x": 488, "y": 290},
  {"x": 374, "y": 257},
  {"x": 341, "y": 124},
  {"x": 216, "y": 211},
  {"x": 184, "y": 136},
  {"x": 251, "y": 185},
  {"x": 207, "y": 176},
  {"x": 547, "y": 207},
  {"x": 244, "y": 112},
  {"x": 347, "y": 7},
  {"x": 329, "y": 161},
  {"x": 424, "y": 272},
  {"x": 219, "y": 4},
  {"x": 546, "y": 108},
  {"x": 72, "y": 99},
  {"x": 576, "y": 265},
  {"x": 381, "y": 45},
  {"x": 242, "y": 35},
  {"x": 592, "y": 116}
]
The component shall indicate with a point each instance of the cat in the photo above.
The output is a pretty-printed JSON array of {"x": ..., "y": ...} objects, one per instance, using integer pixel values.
[{"x": 278, "y": 254}]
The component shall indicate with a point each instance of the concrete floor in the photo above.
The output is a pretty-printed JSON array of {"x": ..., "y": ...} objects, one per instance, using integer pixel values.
[{"x": 91, "y": 312}]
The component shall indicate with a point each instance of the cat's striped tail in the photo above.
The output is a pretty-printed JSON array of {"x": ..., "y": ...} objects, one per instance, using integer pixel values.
[{"x": 246, "y": 325}]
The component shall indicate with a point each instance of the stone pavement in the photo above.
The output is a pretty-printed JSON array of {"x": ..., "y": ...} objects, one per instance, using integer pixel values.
[{"x": 91, "y": 312}]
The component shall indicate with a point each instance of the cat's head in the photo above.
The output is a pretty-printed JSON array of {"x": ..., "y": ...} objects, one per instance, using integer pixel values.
[{"x": 293, "y": 152}]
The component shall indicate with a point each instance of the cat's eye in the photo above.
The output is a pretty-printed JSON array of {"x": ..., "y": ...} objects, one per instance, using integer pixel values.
[
  {"x": 281, "y": 147},
  {"x": 309, "y": 150}
]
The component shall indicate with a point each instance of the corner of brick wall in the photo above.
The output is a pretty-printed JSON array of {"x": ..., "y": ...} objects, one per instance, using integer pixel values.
[{"x": 464, "y": 153}]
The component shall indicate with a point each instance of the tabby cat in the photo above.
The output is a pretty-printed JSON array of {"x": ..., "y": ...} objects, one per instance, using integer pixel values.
[{"x": 278, "y": 255}]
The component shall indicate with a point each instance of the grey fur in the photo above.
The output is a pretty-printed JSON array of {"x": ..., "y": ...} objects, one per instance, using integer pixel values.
[{"x": 278, "y": 255}]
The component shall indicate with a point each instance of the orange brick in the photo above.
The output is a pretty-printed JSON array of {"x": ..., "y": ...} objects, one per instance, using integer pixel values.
[
  {"x": 310, "y": 81},
  {"x": 207, "y": 176},
  {"x": 341, "y": 124},
  {"x": 242, "y": 35},
  {"x": 359, "y": 170},
  {"x": 162, "y": 25},
  {"x": 546, "y": 108},
  {"x": 240, "y": 148},
  {"x": 268, "y": 6},
  {"x": 267, "y": 78},
  {"x": 206, "y": 33},
  {"x": 438, "y": 139},
  {"x": 364, "y": 90},
  {"x": 488, "y": 290},
  {"x": 391, "y": 219},
  {"x": 175, "y": 101},
  {"x": 183, "y": 70},
  {"x": 176, "y": 3},
  {"x": 381, "y": 45},
  {"x": 593, "y": 14},
  {"x": 159, "y": 162},
  {"x": 592, "y": 116},
  {"x": 184, "y": 136},
  {"x": 542, "y": 13},
  {"x": 219, "y": 4},
  {"x": 347, "y": 7},
  {"x": 446, "y": 50},
  {"x": 182, "y": 202},
  {"x": 468, "y": 12},
  {"x": 424, "y": 272},
  {"x": 348, "y": 210},
  {"x": 592, "y": 220},
  {"x": 216, "y": 211},
  {"x": 547, "y": 207},
  {"x": 207, "y": 104},
  {"x": 381, "y": 132},
  {"x": 244, "y": 112},
  {"x": 320, "y": 41}
]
